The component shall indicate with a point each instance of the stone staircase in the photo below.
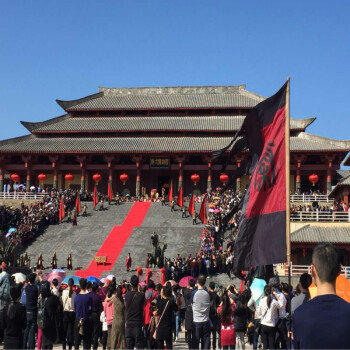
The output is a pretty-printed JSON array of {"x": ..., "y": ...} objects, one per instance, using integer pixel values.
[{"x": 85, "y": 240}]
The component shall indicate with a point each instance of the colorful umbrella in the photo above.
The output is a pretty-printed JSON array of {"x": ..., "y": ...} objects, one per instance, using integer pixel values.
[
  {"x": 216, "y": 210},
  {"x": 257, "y": 288},
  {"x": 142, "y": 284},
  {"x": 184, "y": 282},
  {"x": 76, "y": 280},
  {"x": 103, "y": 280},
  {"x": 93, "y": 279},
  {"x": 211, "y": 210},
  {"x": 58, "y": 270},
  {"x": 211, "y": 205},
  {"x": 59, "y": 275},
  {"x": 110, "y": 277},
  {"x": 20, "y": 277}
]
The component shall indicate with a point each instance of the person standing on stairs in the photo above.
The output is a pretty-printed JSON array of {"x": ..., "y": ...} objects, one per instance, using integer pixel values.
[{"x": 128, "y": 262}]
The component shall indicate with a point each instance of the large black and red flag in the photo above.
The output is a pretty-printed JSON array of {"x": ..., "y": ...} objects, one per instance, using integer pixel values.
[{"x": 261, "y": 238}]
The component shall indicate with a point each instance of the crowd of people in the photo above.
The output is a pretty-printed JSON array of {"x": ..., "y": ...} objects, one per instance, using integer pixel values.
[
  {"x": 128, "y": 315},
  {"x": 215, "y": 254},
  {"x": 22, "y": 224}
]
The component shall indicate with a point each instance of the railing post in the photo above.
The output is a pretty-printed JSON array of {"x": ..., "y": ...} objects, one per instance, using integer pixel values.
[
  {"x": 348, "y": 215},
  {"x": 317, "y": 215},
  {"x": 303, "y": 197},
  {"x": 300, "y": 216}
]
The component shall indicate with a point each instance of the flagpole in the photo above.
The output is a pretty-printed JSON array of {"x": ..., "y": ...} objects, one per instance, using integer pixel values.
[{"x": 287, "y": 141}]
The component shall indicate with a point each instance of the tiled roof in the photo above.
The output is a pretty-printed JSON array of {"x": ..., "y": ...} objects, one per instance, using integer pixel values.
[
  {"x": 66, "y": 123},
  {"x": 316, "y": 234},
  {"x": 309, "y": 142},
  {"x": 32, "y": 143},
  {"x": 345, "y": 181},
  {"x": 199, "y": 97}
]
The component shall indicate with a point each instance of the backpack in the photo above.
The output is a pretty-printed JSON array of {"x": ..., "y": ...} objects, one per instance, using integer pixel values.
[{"x": 42, "y": 320}]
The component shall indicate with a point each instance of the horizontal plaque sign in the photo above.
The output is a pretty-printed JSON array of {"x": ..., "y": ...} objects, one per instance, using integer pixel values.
[{"x": 159, "y": 162}]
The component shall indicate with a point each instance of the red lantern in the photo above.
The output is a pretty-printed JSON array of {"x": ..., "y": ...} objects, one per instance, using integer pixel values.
[
  {"x": 124, "y": 178},
  {"x": 42, "y": 177},
  {"x": 15, "y": 178},
  {"x": 313, "y": 178},
  {"x": 195, "y": 178},
  {"x": 69, "y": 178},
  {"x": 97, "y": 178},
  {"x": 224, "y": 178}
]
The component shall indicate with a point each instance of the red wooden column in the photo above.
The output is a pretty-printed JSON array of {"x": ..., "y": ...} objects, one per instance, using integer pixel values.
[
  {"x": 138, "y": 160},
  {"x": 2, "y": 174},
  {"x": 238, "y": 181},
  {"x": 297, "y": 179},
  {"x": 82, "y": 164},
  {"x": 53, "y": 160},
  {"x": 209, "y": 177},
  {"x": 329, "y": 174}
]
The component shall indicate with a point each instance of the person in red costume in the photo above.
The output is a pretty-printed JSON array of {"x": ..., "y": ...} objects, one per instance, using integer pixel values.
[{"x": 128, "y": 262}]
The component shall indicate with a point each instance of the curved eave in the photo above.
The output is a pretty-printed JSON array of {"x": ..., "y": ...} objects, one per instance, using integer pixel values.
[
  {"x": 34, "y": 126},
  {"x": 66, "y": 105}
]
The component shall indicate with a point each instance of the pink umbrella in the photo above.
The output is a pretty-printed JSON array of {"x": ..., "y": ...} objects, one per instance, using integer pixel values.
[
  {"x": 211, "y": 210},
  {"x": 216, "y": 210},
  {"x": 56, "y": 274},
  {"x": 142, "y": 284},
  {"x": 184, "y": 282}
]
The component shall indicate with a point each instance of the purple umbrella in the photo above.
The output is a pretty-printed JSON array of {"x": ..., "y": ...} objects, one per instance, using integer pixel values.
[
  {"x": 211, "y": 211},
  {"x": 216, "y": 210}
]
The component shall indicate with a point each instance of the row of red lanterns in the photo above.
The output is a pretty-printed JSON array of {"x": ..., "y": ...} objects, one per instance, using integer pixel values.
[
  {"x": 313, "y": 178},
  {"x": 69, "y": 178}
]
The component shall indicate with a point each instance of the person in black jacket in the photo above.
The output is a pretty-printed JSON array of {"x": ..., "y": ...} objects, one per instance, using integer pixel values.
[
  {"x": 51, "y": 334},
  {"x": 189, "y": 312},
  {"x": 14, "y": 320},
  {"x": 165, "y": 309}
]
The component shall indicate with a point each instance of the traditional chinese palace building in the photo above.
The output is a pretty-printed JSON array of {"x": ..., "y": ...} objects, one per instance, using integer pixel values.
[{"x": 155, "y": 135}]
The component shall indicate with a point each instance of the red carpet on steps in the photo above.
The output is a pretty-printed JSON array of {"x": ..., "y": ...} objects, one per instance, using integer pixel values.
[{"x": 114, "y": 243}]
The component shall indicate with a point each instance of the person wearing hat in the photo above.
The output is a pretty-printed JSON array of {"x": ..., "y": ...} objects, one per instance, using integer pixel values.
[
  {"x": 14, "y": 320},
  {"x": 134, "y": 303}
]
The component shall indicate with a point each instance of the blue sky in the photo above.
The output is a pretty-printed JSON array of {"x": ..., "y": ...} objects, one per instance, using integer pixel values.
[{"x": 66, "y": 49}]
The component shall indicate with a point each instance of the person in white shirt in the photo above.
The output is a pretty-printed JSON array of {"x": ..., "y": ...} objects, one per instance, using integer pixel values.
[
  {"x": 67, "y": 299},
  {"x": 267, "y": 312},
  {"x": 54, "y": 289}
]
